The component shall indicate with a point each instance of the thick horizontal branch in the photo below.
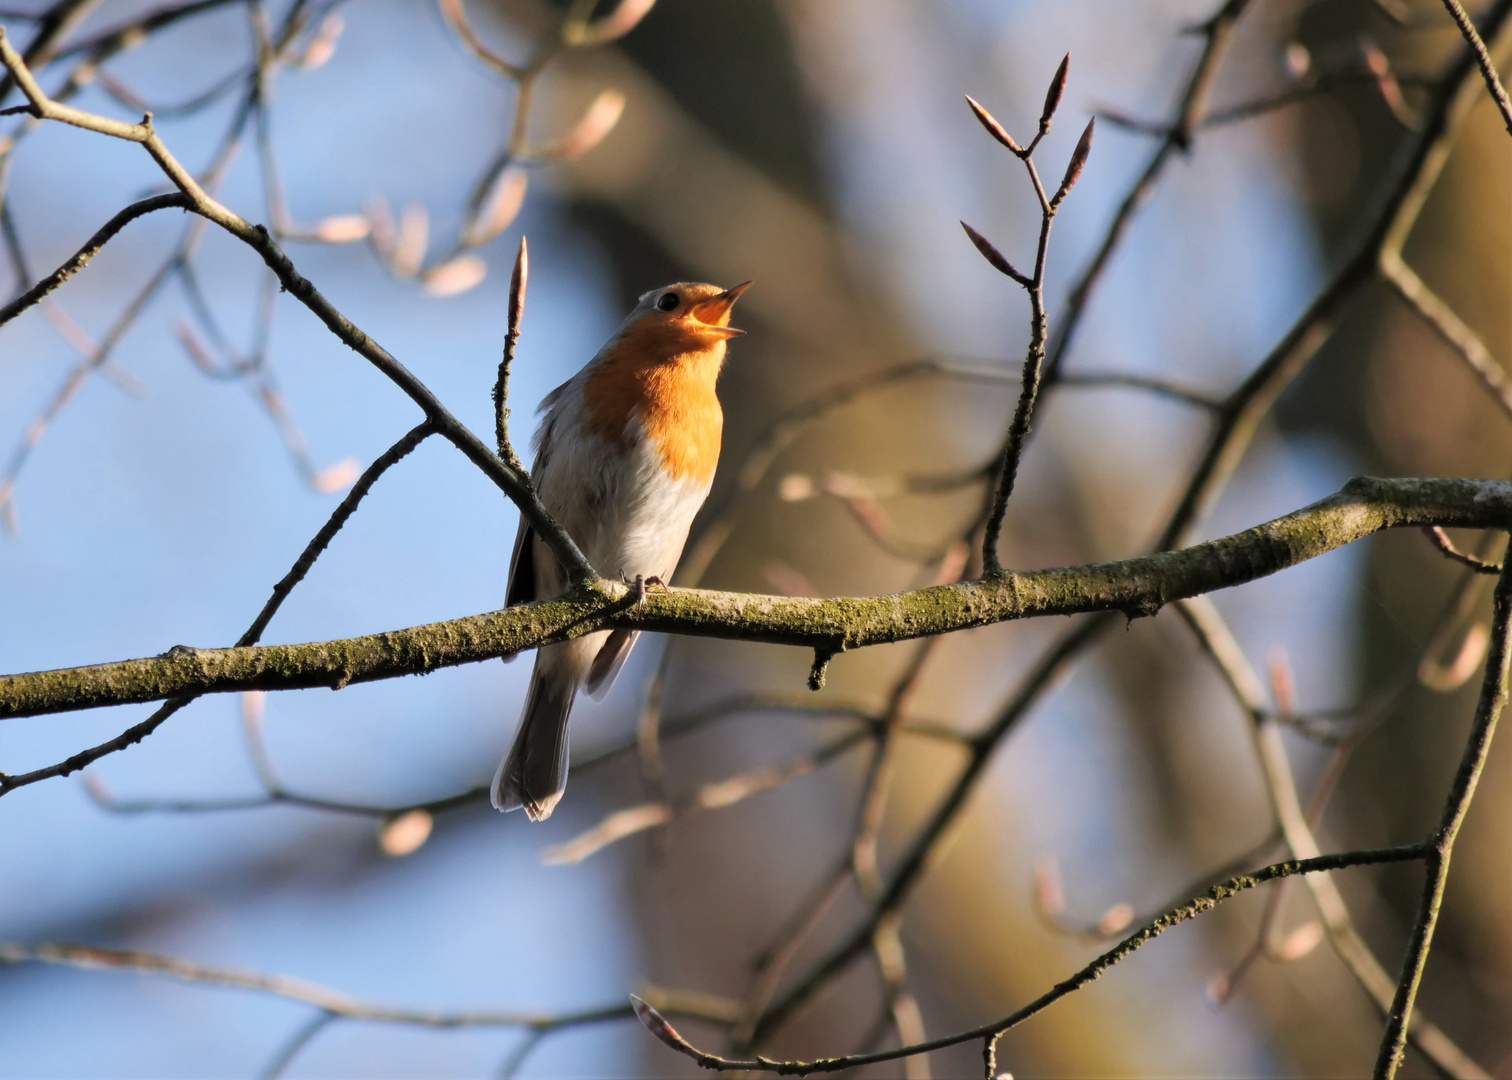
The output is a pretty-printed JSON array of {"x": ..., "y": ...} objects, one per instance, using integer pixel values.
[{"x": 1136, "y": 587}]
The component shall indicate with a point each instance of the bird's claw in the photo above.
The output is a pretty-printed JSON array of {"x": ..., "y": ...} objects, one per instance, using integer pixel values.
[{"x": 640, "y": 584}]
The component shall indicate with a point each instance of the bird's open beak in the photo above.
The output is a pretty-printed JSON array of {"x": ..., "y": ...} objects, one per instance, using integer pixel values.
[{"x": 715, "y": 311}]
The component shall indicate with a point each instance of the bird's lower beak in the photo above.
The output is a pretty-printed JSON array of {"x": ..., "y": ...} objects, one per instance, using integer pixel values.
[{"x": 715, "y": 311}]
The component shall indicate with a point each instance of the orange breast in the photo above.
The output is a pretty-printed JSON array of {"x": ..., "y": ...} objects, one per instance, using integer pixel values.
[{"x": 670, "y": 391}]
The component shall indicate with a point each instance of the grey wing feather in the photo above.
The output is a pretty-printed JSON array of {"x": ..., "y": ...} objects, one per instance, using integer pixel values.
[
  {"x": 522, "y": 576},
  {"x": 522, "y": 587},
  {"x": 606, "y": 665}
]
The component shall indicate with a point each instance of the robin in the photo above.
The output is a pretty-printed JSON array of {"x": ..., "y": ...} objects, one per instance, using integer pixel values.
[{"x": 625, "y": 456}]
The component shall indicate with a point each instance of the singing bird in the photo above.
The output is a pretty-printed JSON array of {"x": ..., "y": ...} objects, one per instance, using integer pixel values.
[{"x": 625, "y": 456}]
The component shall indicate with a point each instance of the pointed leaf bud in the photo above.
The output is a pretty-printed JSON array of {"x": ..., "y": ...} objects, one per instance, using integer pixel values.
[
  {"x": 1077, "y": 163},
  {"x": 995, "y": 129},
  {"x": 657, "y": 1025},
  {"x": 1301, "y": 941},
  {"x": 517, "y": 279},
  {"x": 322, "y": 44},
  {"x": 1053, "y": 95},
  {"x": 1116, "y": 919},
  {"x": 992, "y": 254}
]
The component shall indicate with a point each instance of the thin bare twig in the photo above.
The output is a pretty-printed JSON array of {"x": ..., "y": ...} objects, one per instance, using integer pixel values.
[
  {"x": 1034, "y": 285},
  {"x": 1453, "y": 330},
  {"x": 515, "y": 484},
  {"x": 301, "y": 1037},
  {"x": 337, "y": 1004},
  {"x": 1403, "y": 197},
  {"x": 1482, "y": 60},
  {"x": 1217, "y": 33},
  {"x": 1441, "y": 540},
  {"x": 650, "y": 1017},
  {"x": 714, "y": 796},
  {"x": 90, "y": 249},
  {"x": 1440, "y": 846},
  {"x": 1281, "y": 788},
  {"x": 296, "y": 574}
]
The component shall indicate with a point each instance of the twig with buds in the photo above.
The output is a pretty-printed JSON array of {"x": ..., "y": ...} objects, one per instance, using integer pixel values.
[{"x": 1034, "y": 285}]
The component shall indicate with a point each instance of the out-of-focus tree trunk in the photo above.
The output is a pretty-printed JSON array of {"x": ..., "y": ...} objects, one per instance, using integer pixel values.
[{"x": 1404, "y": 403}]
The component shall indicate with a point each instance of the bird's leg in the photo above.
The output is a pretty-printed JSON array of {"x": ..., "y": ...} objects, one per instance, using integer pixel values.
[{"x": 639, "y": 585}]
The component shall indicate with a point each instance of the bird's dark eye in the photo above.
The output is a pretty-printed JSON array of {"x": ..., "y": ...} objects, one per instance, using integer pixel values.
[{"x": 667, "y": 302}]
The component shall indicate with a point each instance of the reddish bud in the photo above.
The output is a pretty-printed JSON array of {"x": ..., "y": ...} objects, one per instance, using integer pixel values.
[
  {"x": 517, "y": 279},
  {"x": 1053, "y": 95},
  {"x": 991, "y": 254},
  {"x": 1077, "y": 163},
  {"x": 995, "y": 129},
  {"x": 657, "y": 1025}
]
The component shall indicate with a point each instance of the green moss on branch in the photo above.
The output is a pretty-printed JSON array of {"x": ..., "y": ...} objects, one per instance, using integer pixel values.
[{"x": 1136, "y": 587}]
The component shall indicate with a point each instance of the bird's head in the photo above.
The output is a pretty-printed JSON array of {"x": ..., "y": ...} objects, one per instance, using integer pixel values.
[{"x": 686, "y": 317}]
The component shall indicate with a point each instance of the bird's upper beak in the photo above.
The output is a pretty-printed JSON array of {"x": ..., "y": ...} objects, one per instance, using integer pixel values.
[{"x": 714, "y": 312}]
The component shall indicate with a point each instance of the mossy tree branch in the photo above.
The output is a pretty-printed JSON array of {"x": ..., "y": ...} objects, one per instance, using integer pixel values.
[{"x": 1136, "y": 587}]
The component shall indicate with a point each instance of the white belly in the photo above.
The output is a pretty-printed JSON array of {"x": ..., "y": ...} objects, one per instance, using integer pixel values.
[{"x": 625, "y": 513}]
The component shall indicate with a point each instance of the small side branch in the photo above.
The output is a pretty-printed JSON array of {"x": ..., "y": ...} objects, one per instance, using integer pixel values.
[
  {"x": 339, "y": 517},
  {"x": 1482, "y": 60},
  {"x": 1454, "y": 331},
  {"x": 337, "y": 1004},
  {"x": 92, "y": 248},
  {"x": 135, "y": 734},
  {"x": 1441, "y": 540}
]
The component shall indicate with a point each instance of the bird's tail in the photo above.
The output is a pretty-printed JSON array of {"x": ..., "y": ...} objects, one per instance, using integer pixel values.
[{"x": 534, "y": 774}]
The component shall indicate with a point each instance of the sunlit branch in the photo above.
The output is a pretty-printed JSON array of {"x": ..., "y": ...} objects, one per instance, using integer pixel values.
[
  {"x": 1451, "y": 329},
  {"x": 1403, "y": 198},
  {"x": 516, "y": 485},
  {"x": 297, "y": 572},
  {"x": 1440, "y": 845},
  {"x": 1281, "y": 788},
  {"x": 1197, "y": 906},
  {"x": 1135, "y": 587},
  {"x": 1482, "y": 60}
]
